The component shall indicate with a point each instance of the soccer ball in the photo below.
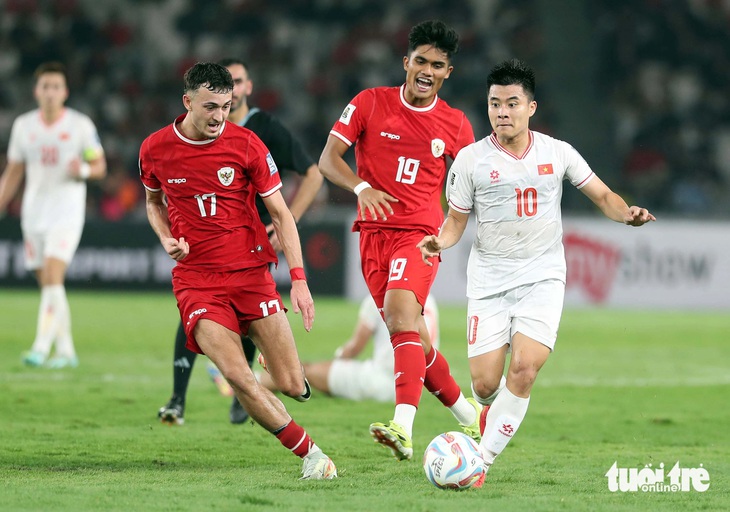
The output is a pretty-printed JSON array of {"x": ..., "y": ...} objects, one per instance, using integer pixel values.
[{"x": 452, "y": 461}]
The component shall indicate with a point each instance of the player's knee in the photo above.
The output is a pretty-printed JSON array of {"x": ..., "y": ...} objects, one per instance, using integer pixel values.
[
  {"x": 291, "y": 386},
  {"x": 521, "y": 376},
  {"x": 485, "y": 386},
  {"x": 239, "y": 380},
  {"x": 394, "y": 324},
  {"x": 398, "y": 321}
]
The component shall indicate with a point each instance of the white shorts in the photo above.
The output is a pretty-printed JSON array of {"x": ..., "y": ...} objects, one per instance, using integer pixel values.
[
  {"x": 59, "y": 243},
  {"x": 533, "y": 310},
  {"x": 361, "y": 380}
]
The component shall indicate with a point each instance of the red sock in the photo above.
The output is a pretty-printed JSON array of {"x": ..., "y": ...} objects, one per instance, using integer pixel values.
[
  {"x": 439, "y": 380},
  {"x": 295, "y": 438},
  {"x": 410, "y": 367}
]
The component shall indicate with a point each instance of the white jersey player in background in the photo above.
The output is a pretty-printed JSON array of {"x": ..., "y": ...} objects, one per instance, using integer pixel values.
[
  {"x": 363, "y": 379},
  {"x": 58, "y": 149},
  {"x": 516, "y": 273}
]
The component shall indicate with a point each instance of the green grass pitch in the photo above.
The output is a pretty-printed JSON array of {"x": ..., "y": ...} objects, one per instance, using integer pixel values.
[{"x": 633, "y": 387}]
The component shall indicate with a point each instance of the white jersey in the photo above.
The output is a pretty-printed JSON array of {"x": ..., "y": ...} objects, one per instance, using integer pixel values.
[
  {"x": 516, "y": 199},
  {"x": 51, "y": 198},
  {"x": 382, "y": 348}
]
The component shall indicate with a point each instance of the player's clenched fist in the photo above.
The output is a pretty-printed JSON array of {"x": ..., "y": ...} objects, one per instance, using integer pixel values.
[{"x": 177, "y": 249}]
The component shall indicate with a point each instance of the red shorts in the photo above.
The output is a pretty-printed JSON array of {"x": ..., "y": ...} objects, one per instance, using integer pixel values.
[
  {"x": 390, "y": 260},
  {"x": 231, "y": 299}
]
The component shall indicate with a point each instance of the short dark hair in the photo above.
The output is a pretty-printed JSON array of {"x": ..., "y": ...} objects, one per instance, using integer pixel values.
[
  {"x": 50, "y": 67},
  {"x": 232, "y": 61},
  {"x": 210, "y": 75},
  {"x": 513, "y": 72},
  {"x": 436, "y": 33}
]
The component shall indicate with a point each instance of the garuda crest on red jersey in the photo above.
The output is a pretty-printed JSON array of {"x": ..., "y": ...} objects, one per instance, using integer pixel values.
[
  {"x": 437, "y": 147},
  {"x": 225, "y": 175}
]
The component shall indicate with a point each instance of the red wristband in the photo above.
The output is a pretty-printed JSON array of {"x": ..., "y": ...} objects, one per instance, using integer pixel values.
[{"x": 297, "y": 274}]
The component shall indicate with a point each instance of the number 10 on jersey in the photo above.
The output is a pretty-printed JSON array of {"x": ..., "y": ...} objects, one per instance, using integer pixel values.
[{"x": 526, "y": 202}]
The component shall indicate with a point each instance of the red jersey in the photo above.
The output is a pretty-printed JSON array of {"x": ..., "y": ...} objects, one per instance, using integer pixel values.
[
  {"x": 210, "y": 187},
  {"x": 402, "y": 150}
]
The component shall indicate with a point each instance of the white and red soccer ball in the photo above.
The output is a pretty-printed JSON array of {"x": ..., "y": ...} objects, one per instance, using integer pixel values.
[{"x": 453, "y": 461}]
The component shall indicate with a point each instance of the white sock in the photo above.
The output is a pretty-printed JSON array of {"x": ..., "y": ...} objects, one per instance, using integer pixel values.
[
  {"x": 405, "y": 415},
  {"x": 490, "y": 399},
  {"x": 463, "y": 411},
  {"x": 64, "y": 341},
  {"x": 503, "y": 419},
  {"x": 46, "y": 326},
  {"x": 313, "y": 449}
]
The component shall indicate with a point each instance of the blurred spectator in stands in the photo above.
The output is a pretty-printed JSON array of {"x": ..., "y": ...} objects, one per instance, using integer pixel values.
[{"x": 663, "y": 63}]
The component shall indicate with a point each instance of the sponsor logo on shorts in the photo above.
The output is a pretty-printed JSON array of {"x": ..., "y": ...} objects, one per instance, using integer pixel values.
[{"x": 197, "y": 312}]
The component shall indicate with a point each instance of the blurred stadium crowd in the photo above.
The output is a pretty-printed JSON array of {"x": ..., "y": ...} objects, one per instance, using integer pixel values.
[{"x": 663, "y": 71}]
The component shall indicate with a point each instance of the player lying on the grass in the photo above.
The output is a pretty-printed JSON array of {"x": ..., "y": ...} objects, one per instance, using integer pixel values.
[
  {"x": 199, "y": 174},
  {"x": 362, "y": 379},
  {"x": 513, "y": 182}
]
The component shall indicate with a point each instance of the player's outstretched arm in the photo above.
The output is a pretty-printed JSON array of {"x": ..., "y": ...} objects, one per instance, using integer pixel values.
[
  {"x": 449, "y": 234},
  {"x": 286, "y": 231},
  {"x": 333, "y": 166},
  {"x": 613, "y": 206}
]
